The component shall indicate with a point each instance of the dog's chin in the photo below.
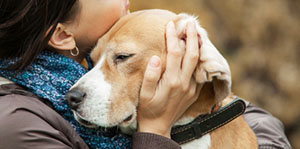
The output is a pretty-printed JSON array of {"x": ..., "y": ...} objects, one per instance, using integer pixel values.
[
  {"x": 128, "y": 128},
  {"x": 129, "y": 125},
  {"x": 84, "y": 122}
]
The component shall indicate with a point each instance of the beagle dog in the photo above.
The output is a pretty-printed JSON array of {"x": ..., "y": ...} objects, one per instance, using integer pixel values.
[{"x": 108, "y": 95}]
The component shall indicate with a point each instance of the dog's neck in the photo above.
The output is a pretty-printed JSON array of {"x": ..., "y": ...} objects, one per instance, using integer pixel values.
[{"x": 203, "y": 105}]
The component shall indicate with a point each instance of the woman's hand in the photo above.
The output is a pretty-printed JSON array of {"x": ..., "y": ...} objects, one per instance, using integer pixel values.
[{"x": 163, "y": 101}]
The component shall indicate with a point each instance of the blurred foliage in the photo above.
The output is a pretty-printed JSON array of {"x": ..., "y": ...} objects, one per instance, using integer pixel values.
[{"x": 261, "y": 41}]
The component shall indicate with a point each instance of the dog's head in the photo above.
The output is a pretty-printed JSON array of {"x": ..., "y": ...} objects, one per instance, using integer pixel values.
[{"x": 108, "y": 94}]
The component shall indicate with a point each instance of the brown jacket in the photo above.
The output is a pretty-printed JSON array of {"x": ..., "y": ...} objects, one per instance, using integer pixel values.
[{"x": 27, "y": 122}]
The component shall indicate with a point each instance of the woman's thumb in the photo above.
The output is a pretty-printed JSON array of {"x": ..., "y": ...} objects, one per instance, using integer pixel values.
[{"x": 151, "y": 78}]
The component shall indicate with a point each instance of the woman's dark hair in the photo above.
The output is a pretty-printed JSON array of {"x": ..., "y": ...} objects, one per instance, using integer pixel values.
[{"x": 27, "y": 25}]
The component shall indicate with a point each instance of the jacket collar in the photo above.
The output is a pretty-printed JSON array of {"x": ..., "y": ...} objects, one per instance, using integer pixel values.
[{"x": 5, "y": 81}]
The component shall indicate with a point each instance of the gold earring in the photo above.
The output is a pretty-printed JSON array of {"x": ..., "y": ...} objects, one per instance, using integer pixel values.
[{"x": 74, "y": 54}]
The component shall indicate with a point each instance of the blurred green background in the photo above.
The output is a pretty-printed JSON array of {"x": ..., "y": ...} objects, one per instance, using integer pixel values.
[{"x": 261, "y": 41}]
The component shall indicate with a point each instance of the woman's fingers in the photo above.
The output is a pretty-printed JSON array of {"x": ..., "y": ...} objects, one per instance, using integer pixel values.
[
  {"x": 151, "y": 78},
  {"x": 164, "y": 99},
  {"x": 175, "y": 54},
  {"x": 191, "y": 57}
]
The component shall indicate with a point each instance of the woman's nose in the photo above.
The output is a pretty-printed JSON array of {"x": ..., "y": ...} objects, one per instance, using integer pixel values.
[{"x": 75, "y": 98}]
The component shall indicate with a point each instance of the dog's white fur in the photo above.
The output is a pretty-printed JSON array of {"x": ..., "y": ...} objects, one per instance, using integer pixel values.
[
  {"x": 98, "y": 91},
  {"x": 112, "y": 88},
  {"x": 201, "y": 143}
]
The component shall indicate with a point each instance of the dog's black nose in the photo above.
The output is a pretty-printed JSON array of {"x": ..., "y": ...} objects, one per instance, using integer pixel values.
[{"x": 75, "y": 97}]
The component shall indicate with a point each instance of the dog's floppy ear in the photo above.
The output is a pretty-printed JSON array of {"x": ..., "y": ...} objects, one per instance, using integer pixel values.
[{"x": 212, "y": 66}]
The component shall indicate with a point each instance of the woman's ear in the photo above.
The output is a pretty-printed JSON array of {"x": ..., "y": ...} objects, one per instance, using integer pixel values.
[{"x": 61, "y": 39}]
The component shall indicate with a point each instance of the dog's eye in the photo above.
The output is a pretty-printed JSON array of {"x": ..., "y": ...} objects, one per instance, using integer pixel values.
[{"x": 122, "y": 57}]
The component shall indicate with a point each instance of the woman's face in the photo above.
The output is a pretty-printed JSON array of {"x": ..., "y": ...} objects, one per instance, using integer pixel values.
[{"x": 95, "y": 18}]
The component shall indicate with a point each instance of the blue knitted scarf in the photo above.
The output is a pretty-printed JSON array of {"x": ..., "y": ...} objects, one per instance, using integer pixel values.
[{"x": 50, "y": 77}]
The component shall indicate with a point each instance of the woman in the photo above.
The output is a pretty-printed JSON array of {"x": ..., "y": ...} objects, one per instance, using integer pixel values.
[{"x": 42, "y": 44}]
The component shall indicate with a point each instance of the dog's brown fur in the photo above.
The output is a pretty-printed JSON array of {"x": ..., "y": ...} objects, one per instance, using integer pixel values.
[{"x": 143, "y": 34}]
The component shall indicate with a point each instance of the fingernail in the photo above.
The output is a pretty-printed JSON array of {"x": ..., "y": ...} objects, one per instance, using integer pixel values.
[
  {"x": 154, "y": 61},
  {"x": 192, "y": 25},
  {"x": 171, "y": 25}
]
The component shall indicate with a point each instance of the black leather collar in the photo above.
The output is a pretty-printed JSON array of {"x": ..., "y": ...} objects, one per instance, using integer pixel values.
[{"x": 204, "y": 124}]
